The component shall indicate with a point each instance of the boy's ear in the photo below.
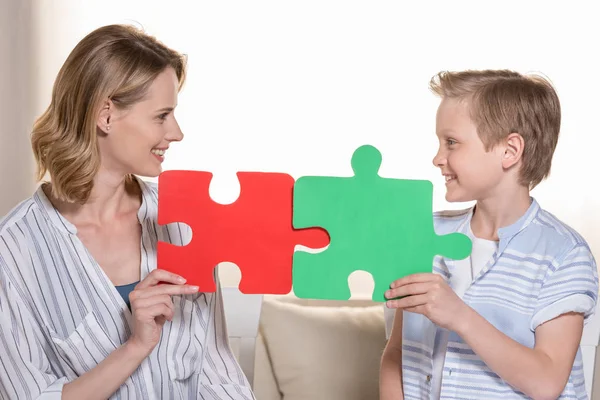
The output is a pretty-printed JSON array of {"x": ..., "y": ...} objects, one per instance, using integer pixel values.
[
  {"x": 104, "y": 117},
  {"x": 513, "y": 150}
]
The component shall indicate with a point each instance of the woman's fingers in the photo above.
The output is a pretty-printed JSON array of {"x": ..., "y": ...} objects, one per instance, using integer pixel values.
[
  {"x": 154, "y": 311},
  {"x": 139, "y": 303},
  {"x": 160, "y": 275},
  {"x": 167, "y": 289}
]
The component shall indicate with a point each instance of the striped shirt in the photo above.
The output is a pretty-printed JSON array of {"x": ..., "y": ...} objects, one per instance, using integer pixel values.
[
  {"x": 60, "y": 315},
  {"x": 541, "y": 269}
]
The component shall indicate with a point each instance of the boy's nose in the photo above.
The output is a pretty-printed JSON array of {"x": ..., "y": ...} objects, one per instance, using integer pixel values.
[{"x": 439, "y": 159}]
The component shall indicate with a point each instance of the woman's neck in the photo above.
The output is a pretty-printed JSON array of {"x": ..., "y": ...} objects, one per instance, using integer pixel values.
[{"x": 111, "y": 196}]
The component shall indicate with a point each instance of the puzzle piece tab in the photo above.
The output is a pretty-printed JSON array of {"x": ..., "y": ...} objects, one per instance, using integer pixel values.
[
  {"x": 379, "y": 225},
  {"x": 255, "y": 232}
]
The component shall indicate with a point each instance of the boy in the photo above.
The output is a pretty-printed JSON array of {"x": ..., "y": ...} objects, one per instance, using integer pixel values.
[{"x": 507, "y": 321}]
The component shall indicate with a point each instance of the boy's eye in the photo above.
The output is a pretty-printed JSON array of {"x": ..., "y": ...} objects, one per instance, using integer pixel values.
[
  {"x": 163, "y": 117},
  {"x": 450, "y": 142}
]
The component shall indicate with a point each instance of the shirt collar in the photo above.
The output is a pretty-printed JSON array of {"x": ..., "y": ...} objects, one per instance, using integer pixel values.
[
  {"x": 505, "y": 234},
  {"x": 512, "y": 230},
  {"x": 51, "y": 213}
]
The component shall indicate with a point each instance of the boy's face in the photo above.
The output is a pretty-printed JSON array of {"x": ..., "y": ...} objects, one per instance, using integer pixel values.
[{"x": 471, "y": 173}]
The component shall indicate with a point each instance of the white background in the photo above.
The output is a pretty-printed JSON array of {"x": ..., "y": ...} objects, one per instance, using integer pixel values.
[{"x": 296, "y": 86}]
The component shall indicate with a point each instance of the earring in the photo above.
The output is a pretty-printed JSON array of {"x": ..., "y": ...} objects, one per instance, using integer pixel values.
[{"x": 108, "y": 127}]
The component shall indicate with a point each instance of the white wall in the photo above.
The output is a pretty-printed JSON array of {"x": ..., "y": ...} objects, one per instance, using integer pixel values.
[
  {"x": 17, "y": 89},
  {"x": 296, "y": 86}
]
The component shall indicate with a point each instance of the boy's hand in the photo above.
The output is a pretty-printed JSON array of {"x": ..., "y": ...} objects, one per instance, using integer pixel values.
[{"x": 430, "y": 295}]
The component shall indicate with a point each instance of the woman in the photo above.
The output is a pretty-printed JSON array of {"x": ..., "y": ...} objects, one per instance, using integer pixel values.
[{"x": 75, "y": 253}]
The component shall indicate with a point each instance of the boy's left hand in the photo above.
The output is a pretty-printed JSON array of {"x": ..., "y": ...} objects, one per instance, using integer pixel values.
[{"x": 428, "y": 294}]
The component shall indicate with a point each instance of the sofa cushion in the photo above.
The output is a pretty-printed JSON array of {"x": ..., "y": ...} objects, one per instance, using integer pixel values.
[
  {"x": 264, "y": 385},
  {"x": 321, "y": 352}
]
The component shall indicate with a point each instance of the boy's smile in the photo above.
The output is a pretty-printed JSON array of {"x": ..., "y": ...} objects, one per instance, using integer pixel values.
[{"x": 449, "y": 178}]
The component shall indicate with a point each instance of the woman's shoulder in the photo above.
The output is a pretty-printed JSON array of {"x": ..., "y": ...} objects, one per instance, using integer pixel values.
[
  {"x": 15, "y": 227},
  {"x": 28, "y": 225},
  {"x": 17, "y": 214},
  {"x": 149, "y": 190}
]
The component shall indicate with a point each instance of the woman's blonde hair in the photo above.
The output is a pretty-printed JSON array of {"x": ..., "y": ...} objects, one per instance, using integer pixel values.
[
  {"x": 502, "y": 102},
  {"x": 114, "y": 62}
]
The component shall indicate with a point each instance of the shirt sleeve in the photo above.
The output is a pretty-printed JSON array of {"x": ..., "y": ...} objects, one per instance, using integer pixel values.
[
  {"x": 570, "y": 286},
  {"x": 222, "y": 377},
  {"x": 24, "y": 367}
]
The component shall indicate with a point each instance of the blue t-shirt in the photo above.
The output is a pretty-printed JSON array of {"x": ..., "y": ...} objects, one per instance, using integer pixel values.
[{"x": 124, "y": 291}]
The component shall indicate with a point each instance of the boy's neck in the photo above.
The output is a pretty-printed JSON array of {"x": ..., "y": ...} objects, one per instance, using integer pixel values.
[{"x": 499, "y": 211}]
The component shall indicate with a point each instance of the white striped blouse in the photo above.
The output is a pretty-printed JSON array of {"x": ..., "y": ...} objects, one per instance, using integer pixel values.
[{"x": 60, "y": 315}]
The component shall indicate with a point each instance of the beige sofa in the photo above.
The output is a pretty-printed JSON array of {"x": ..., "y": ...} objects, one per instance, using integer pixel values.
[{"x": 318, "y": 349}]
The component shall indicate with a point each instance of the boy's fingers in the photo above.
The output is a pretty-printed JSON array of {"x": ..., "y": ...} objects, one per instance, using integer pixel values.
[
  {"x": 408, "y": 302},
  {"x": 416, "y": 278},
  {"x": 408, "y": 290}
]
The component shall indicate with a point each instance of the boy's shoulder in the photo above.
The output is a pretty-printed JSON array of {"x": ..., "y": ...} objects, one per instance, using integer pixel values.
[
  {"x": 542, "y": 236},
  {"x": 446, "y": 221},
  {"x": 547, "y": 227},
  {"x": 452, "y": 214}
]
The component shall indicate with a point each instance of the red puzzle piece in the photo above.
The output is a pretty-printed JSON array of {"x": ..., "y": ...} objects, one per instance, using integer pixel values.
[{"x": 255, "y": 232}]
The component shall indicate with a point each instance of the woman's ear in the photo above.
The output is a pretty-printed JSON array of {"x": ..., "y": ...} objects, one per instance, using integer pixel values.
[
  {"x": 514, "y": 144},
  {"x": 104, "y": 117}
]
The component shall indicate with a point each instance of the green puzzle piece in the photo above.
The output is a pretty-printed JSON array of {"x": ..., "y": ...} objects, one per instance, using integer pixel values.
[{"x": 379, "y": 225}]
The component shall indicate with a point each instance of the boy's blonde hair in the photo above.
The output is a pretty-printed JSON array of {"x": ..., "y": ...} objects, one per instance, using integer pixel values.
[
  {"x": 502, "y": 102},
  {"x": 114, "y": 62}
]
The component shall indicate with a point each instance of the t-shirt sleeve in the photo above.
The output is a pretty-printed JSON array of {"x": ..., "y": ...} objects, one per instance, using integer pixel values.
[{"x": 570, "y": 286}]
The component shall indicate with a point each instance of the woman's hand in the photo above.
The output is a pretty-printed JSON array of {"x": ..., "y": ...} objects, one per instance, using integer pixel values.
[
  {"x": 151, "y": 306},
  {"x": 428, "y": 294}
]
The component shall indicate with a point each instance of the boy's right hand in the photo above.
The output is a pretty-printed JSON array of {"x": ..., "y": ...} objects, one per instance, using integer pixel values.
[
  {"x": 430, "y": 295},
  {"x": 151, "y": 306}
]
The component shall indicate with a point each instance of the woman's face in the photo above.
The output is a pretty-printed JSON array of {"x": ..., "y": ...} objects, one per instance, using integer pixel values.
[{"x": 134, "y": 141}]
